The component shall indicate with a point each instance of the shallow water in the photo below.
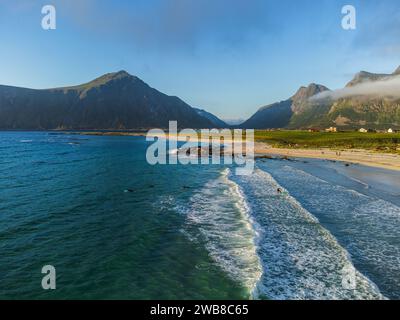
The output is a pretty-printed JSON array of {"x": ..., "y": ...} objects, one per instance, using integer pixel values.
[
  {"x": 116, "y": 227},
  {"x": 363, "y": 220}
]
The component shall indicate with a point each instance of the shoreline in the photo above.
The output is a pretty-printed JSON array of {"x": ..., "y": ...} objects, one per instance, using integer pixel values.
[
  {"x": 365, "y": 157},
  {"x": 368, "y": 158}
]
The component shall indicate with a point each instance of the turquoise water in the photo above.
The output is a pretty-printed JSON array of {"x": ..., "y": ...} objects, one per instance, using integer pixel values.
[{"x": 115, "y": 227}]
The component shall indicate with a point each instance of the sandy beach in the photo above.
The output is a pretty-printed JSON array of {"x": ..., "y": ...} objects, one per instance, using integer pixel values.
[{"x": 365, "y": 157}]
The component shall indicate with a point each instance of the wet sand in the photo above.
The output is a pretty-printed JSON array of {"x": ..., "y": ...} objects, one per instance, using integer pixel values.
[{"x": 364, "y": 157}]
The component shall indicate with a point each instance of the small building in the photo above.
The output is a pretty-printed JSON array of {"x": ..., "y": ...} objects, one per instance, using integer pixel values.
[
  {"x": 390, "y": 130},
  {"x": 331, "y": 129},
  {"x": 363, "y": 130}
]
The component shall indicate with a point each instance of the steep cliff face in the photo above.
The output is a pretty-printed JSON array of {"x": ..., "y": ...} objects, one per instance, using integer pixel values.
[
  {"x": 287, "y": 113},
  {"x": 300, "y": 101},
  {"x": 369, "y": 99}
]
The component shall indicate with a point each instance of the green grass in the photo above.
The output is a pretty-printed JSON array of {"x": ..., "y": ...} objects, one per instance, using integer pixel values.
[{"x": 341, "y": 140}]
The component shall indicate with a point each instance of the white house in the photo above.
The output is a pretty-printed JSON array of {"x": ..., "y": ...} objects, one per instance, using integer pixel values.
[
  {"x": 390, "y": 130},
  {"x": 362, "y": 130}
]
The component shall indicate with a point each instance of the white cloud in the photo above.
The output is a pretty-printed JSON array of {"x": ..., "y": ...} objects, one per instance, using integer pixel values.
[{"x": 388, "y": 87}]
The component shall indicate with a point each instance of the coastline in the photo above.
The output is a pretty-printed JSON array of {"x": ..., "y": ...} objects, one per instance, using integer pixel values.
[
  {"x": 356, "y": 156},
  {"x": 347, "y": 200},
  {"x": 368, "y": 158}
]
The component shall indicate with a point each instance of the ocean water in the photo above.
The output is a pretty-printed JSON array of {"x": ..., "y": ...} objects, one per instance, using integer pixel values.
[{"x": 116, "y": 227}]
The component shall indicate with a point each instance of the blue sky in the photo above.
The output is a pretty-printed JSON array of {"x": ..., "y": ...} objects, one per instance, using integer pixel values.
[{"x": 227, "y": 56}]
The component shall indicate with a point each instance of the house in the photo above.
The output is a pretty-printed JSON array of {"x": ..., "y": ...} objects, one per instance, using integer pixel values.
[
  {"x": 331, "y": 129},
  {"x": 390, "y": 130},
  {"x": 362, "y": 130}
]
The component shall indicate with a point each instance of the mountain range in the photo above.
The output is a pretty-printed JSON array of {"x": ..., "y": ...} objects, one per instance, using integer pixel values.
[
  {"x": 113, "y": 101},
  {"x": 120, "y": 101},
  {"x": 369, "y": 100},
  {"x": 217, "y": 122}
]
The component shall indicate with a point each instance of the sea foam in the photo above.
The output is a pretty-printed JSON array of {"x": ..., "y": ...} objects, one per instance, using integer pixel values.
[
  {"x": 221, "y": 215},
  {"x": 300, "y": 258}
]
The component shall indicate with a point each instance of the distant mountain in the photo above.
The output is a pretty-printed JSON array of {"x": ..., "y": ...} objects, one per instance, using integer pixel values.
[
  {"x": 375, "y": 104},
  {"x": 369, "y": 100},
  {"x": 282, "y": 114},
  {"x": 234, "y": 122},
  {"x": 217, "y": 122},
  {"x": 113, "y": 101},
  {"x": 365, "y": 77},
  {"x": 306, "y": 112},
  {"x": 273, "y": 116}
]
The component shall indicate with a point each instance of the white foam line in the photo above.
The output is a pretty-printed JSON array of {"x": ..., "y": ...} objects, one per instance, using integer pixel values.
[
  {"x": 250, "y": 223},
  {"x": 366, "y": 283},
  {"x": 225, "y": 228}
]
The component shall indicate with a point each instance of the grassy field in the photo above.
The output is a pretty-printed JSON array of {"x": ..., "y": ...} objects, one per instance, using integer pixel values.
[{"x": 383, "y": 142}]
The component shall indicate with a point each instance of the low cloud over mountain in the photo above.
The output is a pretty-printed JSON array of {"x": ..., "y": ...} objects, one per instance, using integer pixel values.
[
  {"x": 369, "y": 99},
  {"x": 366, "y": 84}
]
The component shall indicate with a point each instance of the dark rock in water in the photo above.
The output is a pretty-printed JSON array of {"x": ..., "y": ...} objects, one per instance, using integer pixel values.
[
  {"x": 209, "y": 151},
  {"x": 128, "y": 191},
  {"x": 347, "y": 165},
  {"x": 264, "y": 157},
  {"x": 204, "y": 151},
  {"x": 188, "y": 152},
  {"x": 286, "y": 158},
  {"x": 55, "y": 133}
]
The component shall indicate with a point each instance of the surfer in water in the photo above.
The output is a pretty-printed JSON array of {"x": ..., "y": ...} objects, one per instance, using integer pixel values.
[{"x": 282, "y": 193}]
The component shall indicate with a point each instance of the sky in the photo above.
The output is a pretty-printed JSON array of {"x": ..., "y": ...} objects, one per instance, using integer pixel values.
[{"x": 229, "y": 57}]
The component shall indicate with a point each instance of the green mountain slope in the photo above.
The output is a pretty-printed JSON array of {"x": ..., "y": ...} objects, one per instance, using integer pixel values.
[
  {"x": 288, "y": 113},
  {"x": 113, "y": 101},
  {"x": 369, "y": 100}
]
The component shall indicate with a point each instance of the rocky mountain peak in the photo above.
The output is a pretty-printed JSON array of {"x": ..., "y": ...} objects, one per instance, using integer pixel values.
[
  {"x": 306, "y": 92},
  {"x": 397, "y": 71}
]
